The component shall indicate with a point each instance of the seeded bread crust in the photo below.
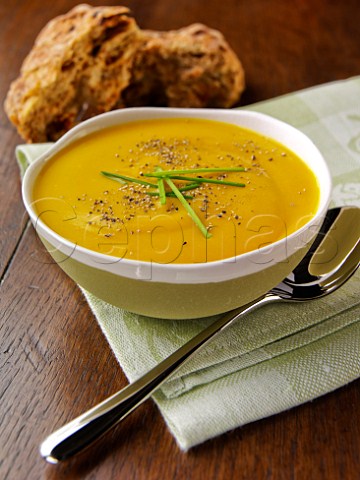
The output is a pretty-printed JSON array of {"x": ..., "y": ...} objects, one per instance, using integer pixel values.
[
  {"x": 77, "y": 67},
  {"x": 95, "y": 59},
  {"x": 190, "y": 67}
]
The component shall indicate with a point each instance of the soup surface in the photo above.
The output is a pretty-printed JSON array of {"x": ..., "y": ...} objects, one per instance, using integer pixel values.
[{"x": 274, "y": 194}]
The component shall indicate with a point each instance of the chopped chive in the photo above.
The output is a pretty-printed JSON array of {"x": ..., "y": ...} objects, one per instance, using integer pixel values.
[
  {"x": 206, "y": 180},
  {"x": 124, "y": 179},
  {"x": 190, "y": 186},
  {"x": 188, "y": 208},
  {"x": 170, "y": 173},
  {"x": 168, "y": 194},
  {"x": 161, "y": 187},
  {"x": 169, "y": 176}
]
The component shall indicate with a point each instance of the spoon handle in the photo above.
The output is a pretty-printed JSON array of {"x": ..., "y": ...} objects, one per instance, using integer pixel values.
[{"x": 85, "y": 429}]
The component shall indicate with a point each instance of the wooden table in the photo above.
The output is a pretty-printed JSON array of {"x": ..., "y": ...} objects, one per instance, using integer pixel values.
[{"x": 55, "y": 362}]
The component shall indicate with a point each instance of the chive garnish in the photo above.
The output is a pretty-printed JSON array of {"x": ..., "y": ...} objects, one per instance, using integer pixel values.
[
  {"x": 168, "y": 177},
  {"x": 169, "y": 194},
  {"x": 124, "y": 179},
  {"x": 170, "y": 173},
  {"x": 205, "y": 180},
  {"x": 190, "y": 186},
  {"x": 188, "y": 208},
  {"x": 161, "y": 187}
]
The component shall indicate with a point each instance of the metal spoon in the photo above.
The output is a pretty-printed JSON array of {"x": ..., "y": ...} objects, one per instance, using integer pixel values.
[{"x": 332, "y": 259}]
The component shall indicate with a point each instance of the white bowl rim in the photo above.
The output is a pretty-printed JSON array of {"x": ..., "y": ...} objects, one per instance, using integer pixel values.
[{"x": 207, "y": 272}]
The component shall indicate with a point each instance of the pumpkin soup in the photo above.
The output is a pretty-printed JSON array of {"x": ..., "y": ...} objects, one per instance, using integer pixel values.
[{"x": 178, "y": 190}]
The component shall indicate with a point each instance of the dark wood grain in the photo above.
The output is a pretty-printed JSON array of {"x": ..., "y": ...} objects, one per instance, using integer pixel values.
[{"x": 55, "y": 362}]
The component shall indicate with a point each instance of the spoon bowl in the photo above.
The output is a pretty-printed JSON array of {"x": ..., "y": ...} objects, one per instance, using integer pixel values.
[{"x": 331, "y": 261}]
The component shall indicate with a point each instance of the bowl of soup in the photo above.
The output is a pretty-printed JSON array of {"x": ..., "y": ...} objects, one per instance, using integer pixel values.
[{"x": 178, "y": 213}]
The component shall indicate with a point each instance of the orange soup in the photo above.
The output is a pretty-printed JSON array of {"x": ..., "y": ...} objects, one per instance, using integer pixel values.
[{"x": 175, "y": 191}]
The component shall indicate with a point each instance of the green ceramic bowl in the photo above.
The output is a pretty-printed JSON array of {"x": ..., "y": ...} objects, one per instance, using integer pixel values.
[{"x": 181, "y": 291}]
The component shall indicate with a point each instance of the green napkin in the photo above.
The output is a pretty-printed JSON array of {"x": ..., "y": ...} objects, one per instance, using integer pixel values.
[{"x": 279, "y": 356}]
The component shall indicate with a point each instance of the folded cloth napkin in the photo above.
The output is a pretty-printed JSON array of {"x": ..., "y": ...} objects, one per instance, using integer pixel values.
[{"x": 279, "y": 356}]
